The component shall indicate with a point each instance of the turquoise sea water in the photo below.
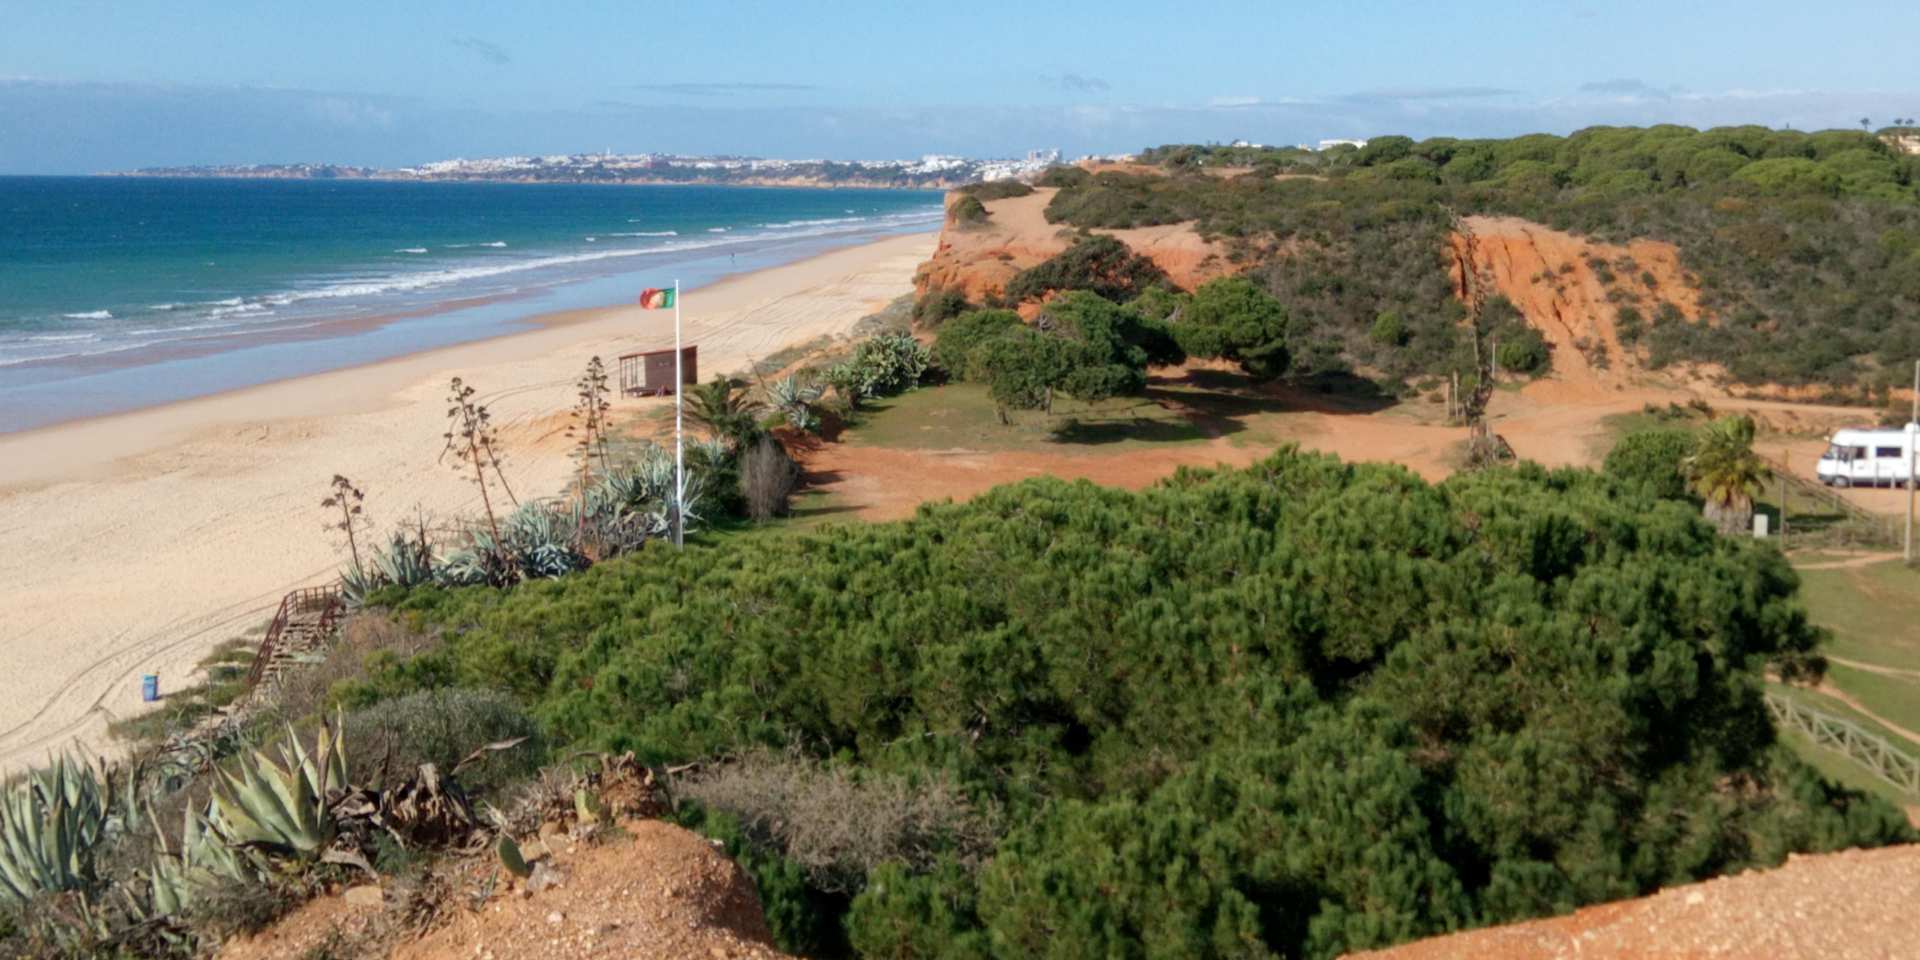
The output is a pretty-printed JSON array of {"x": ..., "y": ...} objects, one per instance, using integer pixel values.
[{"x": 119, "y": 293}]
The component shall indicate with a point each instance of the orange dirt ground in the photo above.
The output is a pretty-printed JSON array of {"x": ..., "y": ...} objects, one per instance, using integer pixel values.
[
  {"x": 1854, "y": 905},
  {"x": 979, "y": 260},
  {"x": 658, "y": 893}
]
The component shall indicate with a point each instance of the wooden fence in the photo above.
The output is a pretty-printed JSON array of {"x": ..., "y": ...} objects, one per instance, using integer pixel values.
[
  {"x": 1833, "y": 733},
  {"x": 1821, "y": 516}
]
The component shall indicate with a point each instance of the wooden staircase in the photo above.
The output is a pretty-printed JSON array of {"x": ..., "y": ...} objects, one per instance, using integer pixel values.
[{"x": 304, "y": 623}]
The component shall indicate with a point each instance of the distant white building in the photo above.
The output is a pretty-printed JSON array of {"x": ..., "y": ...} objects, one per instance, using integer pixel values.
[{"x": 1330, "y": 144}]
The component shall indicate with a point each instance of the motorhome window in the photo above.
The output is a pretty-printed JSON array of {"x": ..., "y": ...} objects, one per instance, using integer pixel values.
[
  {"x": 1856, "y": 453},
  {"x": 1891, "y": 452},
  {"x": 1835, "y": 452}
]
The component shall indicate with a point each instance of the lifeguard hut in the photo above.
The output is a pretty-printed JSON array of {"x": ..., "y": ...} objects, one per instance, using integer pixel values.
[{"x": 650, "y": 373}]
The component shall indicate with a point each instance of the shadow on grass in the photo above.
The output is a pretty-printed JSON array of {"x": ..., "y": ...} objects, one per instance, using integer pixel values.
[
  {"x": 821, "y": 510},
  {"x": 1137, "y": 429},
  {"x": 1231, "y": 392}
]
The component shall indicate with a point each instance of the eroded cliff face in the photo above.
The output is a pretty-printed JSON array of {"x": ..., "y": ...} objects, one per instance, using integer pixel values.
[
  {"x": 979, "y": 259},
  {"x": 1572, "y": 289}
]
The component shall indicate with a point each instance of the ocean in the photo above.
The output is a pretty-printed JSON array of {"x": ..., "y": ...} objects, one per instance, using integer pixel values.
[{"x": 117, "y": 293}]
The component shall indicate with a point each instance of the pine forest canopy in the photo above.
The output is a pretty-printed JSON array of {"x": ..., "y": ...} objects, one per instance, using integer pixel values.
[{"x": 1290, "y": 710}]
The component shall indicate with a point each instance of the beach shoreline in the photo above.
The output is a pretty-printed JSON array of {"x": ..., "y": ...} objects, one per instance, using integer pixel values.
[
  {"x": 137, "y": 541},
  {"x": 21, "y": 468}
]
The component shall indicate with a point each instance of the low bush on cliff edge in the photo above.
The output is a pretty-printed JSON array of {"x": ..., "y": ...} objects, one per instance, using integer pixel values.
[{"x": 990, "y": 190}]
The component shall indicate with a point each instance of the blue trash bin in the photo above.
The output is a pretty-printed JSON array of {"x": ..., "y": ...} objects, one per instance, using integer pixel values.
[{"x": 150, "y": 687}]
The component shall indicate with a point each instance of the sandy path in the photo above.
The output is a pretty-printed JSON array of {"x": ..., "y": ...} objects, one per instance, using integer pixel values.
[
  {"x": 132, "y": 544},
  {"x": 1859, "y": 560},
  {"x": 1827, "y": 688},
  {"x": 1874, "y": 667}
]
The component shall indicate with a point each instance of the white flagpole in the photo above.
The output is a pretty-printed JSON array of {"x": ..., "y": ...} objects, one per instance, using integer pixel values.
[{"x": 679, "y": 447}]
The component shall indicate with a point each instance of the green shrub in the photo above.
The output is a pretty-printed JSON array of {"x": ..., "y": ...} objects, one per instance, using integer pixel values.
[
  {"x": 803, "y": 920},
  {"x": 1063, "y": 176},
  {"x": 1082, "y": 345},
  {"x": 1096, "y": 263},
  {"x": 990, "y": 190},
  {"x": 1522, "y": 350},
  {"x": 1628, "y": 325},
  {"x": 442, "y": 727},
  {"x": 1789, "y": 175},
  {"x": 1650, "y": 462},
  {"x": 890, "y": 363},
  {"x": 1232, "y": 319},
  {"x": 938, "y": 306},
  {"x": 968, "y": 211},
  {"x": 1297, "y": 709},
  {"x": 955, "y": 346},
  {"x": 1389, "y": 330},
  {"x": 1023, "y": 367}
]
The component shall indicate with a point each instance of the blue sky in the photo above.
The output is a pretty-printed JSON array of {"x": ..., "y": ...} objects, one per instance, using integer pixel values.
[{"x": 87, "y": 86}]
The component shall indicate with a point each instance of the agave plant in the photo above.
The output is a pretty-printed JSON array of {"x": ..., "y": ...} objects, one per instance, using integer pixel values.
[
  {"x": 470, "y": 566},
  {"x": 406, "y": 560},
  {"x": 542, "y": 543},
  {"x": 644, "y": 488},
  {"x": 51, "y": 824},
  {"x": 357, "y": 583},
  {"x": 795, "y": 397},
  {"x": 280, "y": 809},
  {"x": 203, "y": 857}
]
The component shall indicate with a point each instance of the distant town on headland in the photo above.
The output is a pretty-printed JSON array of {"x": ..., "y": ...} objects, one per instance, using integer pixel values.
[{"x": 930, "y": 172}]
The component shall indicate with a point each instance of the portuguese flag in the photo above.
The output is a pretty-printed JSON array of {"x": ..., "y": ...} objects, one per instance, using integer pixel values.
[{"x": 657, "y": 298}]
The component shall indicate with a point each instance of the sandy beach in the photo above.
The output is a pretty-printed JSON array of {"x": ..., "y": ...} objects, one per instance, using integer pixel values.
[{"x": 134, "y": 543}]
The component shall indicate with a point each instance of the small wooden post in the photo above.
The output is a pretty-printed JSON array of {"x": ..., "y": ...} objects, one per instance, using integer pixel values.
[{"x": 1783, "y": 500}]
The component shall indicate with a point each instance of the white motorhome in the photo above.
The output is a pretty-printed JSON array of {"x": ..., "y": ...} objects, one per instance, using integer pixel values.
[{"x": 1868, "y": 458}]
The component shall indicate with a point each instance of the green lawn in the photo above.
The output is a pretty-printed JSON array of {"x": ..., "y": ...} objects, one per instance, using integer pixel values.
[
  {"x": 961, "y": 415},
  {"x": 1201, "y": 406},
  {"x": 1872, "y": 611},
  {"x": 1842, "y": 769},
  {"x": 810, "y": 508},
  {"x": 1828, "y": 705},
  {"x": 1873, "y": 616},
  {"x": 1895, "y": 698}
]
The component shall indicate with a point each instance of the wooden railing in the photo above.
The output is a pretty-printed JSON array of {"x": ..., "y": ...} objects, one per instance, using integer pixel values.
[
  {"x": 1860, "y": 526},
  {"x": 1869, "y": 750},
  {"x": 329, "y": 601}
]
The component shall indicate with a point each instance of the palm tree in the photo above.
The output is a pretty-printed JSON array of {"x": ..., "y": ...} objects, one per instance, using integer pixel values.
[
  {"x": 727, "y": 411},
  {"x": 1726, "y": 473}
]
